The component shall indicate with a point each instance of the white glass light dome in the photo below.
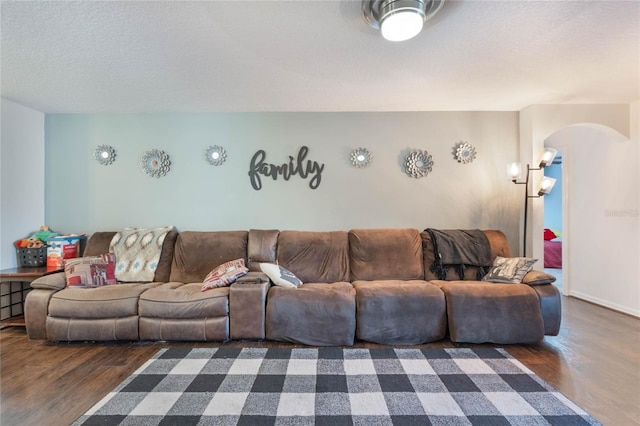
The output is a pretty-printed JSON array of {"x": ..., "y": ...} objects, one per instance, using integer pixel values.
[
  {"x": 402, "y": 25},
  {"x": 399, "y": 20}
]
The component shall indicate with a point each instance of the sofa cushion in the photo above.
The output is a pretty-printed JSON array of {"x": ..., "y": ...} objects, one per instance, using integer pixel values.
[
  {"x": 385, "y": 254},
  {"x": 98, "y": 243},
  {"x": 480, "y": 312},
  {"x": 261, "y": 247},
  {"x": 197, "y": 253},
  {"x": 509, "y": 269},
  {"x": 318, "y": 257},
  {"x": 497, "y": 241},
  {"x": 395, "y": 312},
  {"x": 185, "y": 301},
  {"x": 102, "y": 302},
  {"x": 318, "y": 314}
]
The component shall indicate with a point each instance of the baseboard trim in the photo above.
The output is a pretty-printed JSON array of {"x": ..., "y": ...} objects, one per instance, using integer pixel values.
[{"x": 605, "y": 303}]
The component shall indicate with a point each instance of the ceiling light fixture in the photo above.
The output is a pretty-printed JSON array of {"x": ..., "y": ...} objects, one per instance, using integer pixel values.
[{"x": 399, "y": 20}]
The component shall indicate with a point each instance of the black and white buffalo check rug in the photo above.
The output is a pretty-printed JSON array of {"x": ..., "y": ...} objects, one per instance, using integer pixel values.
[{"x": 334, "y": 386}]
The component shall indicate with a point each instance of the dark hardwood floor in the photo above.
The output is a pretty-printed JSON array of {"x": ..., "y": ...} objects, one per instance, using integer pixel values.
[{"x": 595, "y": 362}]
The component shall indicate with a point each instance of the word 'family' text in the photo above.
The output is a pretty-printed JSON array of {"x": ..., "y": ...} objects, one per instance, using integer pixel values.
[{"x": 295, "y": 166}]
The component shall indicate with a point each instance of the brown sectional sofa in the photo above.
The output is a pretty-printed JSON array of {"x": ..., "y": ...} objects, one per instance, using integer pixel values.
[{"x": 365, "y": 284}]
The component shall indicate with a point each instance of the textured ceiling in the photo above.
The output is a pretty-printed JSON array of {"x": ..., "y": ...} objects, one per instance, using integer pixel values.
[{"x": 170, "y": 56}]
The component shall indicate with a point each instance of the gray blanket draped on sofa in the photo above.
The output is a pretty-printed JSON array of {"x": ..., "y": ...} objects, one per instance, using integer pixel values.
[{"x": 460, "y": 248}]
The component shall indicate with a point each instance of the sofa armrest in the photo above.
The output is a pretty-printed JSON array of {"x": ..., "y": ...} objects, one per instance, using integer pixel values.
[
  {"x": 56, "y": 281},
  {"x": 36, "y": 310},
  {"x": 551, "y": 308},
  {"x": 247, "y": 308},
  {"x": 253, "y": 277},
  {"x": 534, "y": 277}
]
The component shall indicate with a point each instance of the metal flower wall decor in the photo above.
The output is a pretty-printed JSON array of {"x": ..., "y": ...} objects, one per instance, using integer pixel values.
[
  {"x": 155, "y": 163},
  {"x": 361, "y": 157},
  {"x": 464, "y": 152},
  {"x": 104, "y": 154},
  {"x": 216, "y": 155},
  {"x": 418, "y": 164}
]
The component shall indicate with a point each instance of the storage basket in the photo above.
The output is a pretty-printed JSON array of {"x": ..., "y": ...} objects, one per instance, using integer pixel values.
[{"x": 31, "y": 257}]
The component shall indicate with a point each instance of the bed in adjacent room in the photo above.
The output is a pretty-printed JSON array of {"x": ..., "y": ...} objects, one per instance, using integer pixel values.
[{"x": 552, "y": 250}]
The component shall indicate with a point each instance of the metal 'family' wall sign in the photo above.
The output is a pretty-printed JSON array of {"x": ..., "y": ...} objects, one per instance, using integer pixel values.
[{"x": 295, "y": 166}]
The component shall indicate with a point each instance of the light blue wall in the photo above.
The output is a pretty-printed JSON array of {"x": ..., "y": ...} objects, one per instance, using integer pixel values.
[
  {"x": 553, "y": 201},
  {"x": 21, "y": 177},
  {"x": 84, "y": 196}
]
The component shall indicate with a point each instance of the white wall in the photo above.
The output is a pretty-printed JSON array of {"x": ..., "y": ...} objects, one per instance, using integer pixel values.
[
  {"x": 601, "y": 234},
  {"x": 601, "y": 215},
  {"x": 21, "y": 176},
  {"x": 83, "y": 196}
]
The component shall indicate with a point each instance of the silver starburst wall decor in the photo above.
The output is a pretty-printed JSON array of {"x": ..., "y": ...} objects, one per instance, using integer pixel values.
[
  {"x": 104, "y": 154},
  {"x": 464, "y": 152},
  {"x": 155, "y": 163},
  {"x": 361, "y": 157},
  {"x": 215, "y": 155},
  {"x": 418, "y": 164}
]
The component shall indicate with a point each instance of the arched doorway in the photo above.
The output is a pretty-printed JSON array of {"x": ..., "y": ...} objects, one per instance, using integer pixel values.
[{"x": 600, "y": 185}]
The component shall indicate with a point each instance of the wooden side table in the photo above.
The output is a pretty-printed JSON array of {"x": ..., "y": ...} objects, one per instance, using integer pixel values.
[{"x": 12, "y": 292}]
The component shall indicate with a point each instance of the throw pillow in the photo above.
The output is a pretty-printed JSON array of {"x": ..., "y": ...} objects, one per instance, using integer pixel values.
[
  {"x": 225, "y": 274},
  {"x": 509, "y": 269},
  {"x": 534, "y": 277},
  {"x": 138, "y": 252},
  {"x": 93, "y": 271},
  {"x": 280, "y": 276},
  {"x": 549, "y": 234}
]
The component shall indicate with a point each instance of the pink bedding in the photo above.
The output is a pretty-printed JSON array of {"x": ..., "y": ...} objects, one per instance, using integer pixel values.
[{"x": 553, "y": 254}]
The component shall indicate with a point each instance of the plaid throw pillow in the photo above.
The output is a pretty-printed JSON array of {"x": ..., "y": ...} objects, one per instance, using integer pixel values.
[
  {"x": 94, "y": 271},
  {"x": 225, "y": 274}
]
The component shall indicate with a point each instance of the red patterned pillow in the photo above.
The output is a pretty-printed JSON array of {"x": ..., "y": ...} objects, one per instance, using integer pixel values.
[
  {"x": 94, "y": 271},
  {"x": 225, "y": 274},
  {"x": 549, "y": 234}
]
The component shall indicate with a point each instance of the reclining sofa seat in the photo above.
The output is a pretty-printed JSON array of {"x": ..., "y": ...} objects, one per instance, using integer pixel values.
[
  {"x": 480, "y": 312},
  {"x": 57, "y": 313},
  {"x": 394, "y": 303},
  {"x": 173, "y": 307},
  {"x": 179, "y": 309},
  {"x": 321, "y": 311}
]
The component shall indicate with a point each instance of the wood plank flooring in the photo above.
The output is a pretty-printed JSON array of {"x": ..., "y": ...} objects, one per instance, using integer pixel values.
[{"x": 595, "y": 362}]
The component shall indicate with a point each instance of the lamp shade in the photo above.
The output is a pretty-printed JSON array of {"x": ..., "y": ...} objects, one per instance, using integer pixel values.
[
  {"x": 514, "y": 170},
  {"x": 546, "y": 185},
  {"x": 548, "y": 156}
]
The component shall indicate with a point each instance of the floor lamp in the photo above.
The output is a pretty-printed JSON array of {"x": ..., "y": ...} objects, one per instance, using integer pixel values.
[{"x": 545, "y": 187}]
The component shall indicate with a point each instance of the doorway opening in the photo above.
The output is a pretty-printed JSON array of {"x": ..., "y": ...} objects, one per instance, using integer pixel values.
[{"x": 553, "y": 226}]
